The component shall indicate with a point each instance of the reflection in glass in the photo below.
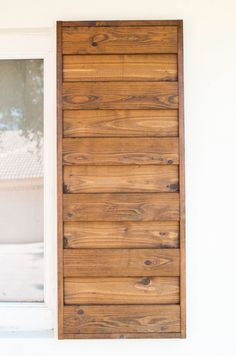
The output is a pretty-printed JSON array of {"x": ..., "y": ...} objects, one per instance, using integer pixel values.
[{"x": 21, "y": 180}]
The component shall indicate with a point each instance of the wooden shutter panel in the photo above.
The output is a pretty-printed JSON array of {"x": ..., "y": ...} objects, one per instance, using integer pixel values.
[{"x": 121, "y": 217}]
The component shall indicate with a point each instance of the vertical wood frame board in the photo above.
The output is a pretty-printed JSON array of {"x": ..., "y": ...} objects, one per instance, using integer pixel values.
[{"x": 120, "y": 165}]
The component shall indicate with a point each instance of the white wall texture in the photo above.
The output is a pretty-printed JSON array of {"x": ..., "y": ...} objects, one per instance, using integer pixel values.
[{"x": 210, "y": 115}]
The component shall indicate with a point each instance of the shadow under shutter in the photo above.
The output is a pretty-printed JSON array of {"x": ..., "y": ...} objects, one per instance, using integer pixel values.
[{"x": 121, "y": 248}]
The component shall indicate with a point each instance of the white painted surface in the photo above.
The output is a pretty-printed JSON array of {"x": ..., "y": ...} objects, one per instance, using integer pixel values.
[
  {"x": 22, "y": 272},
  {"x": 21, "y": 214},
  {"x": 210, "y": 111}
]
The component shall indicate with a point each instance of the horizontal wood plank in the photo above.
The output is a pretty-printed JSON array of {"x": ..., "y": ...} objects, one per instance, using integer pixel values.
[
  {"x": 121, "y": 262},
  {"x": 121, "y": 207},
  {"x": 121, "y": 319},
  {"x": 120, "y": 95},
  {"x": 94, "y": 68},
  {"x": 116, "y": 151},
  {"x": 120, "y": 123},
  {"x": 135, "y": 39},
  {"x": 120, "y": 179},
  {"x": 131, "y": 290},
  {"x": 161, "y": 234},
  {"x": 160, "y": 335},
  {"x": 122, "y": 23},
  {"x": 120, "y": 102}
]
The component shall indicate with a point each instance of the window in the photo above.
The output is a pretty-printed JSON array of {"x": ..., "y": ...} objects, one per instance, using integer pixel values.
[
  {"x": 27, "y": 180},
  {"x": 21, "y": 181}
]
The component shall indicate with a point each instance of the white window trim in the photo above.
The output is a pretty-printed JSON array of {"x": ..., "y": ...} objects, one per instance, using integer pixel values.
[{"x": 29, "y": 44}]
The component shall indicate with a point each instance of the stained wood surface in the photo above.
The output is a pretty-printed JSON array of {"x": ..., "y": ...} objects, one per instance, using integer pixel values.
[
  {"x": 141, "y": 290},
  {"x": 120, "y": 123},
  {"x": 182, "y": 183},
  {"x": 161, "y": 234},
  {"x": 60, "y": 284},
  {"x": 121, "y": 167},
  {"x": 116, "y": 151},
  {"x": 116, "y": 179},
  {"x": 130, "y": 335},
  {"x": 121, "y": 262},
  {"x": 120, "y": 95},
  {"x": 135, "y": 39},
  {"x": 120, "y": 68},
  {"x": 121, "y": 207},
  {"x": 122, "y": 23},
  {"x": 121, "y": 319}
]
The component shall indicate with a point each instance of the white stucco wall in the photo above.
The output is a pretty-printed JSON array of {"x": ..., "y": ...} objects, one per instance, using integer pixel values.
[{"x": 210, "y": 111}]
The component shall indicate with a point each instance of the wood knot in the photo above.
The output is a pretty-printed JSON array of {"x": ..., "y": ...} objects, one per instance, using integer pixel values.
[
  {"x": 162, "y": 233},
  {"x": 94, "y": 44},
  {"x": 147, "y": 262},
  {"x": 173, "y": 187},
  {"x": 80, "y": 312},
  {"x": 65, "y": 188},
  {"x": 121, "y": 336},
  {"x": 169, "y": 161},
  {"x": 65, "y": 242},
  {"x": 145, "y": 281}
]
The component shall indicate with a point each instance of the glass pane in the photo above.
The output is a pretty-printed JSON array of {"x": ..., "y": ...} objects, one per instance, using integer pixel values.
[{"x": 21, "y": 181}]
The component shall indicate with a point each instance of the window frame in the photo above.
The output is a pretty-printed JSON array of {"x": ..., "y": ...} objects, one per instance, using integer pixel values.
[{"x": 37, "y": 44}]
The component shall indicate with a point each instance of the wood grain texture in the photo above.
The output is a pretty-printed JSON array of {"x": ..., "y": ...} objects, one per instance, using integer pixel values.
[
  {"x": 122, "y": 319},
  {"x": 146, "y": 67},
  {"x": 94, "y": 40},
  {"x": 120, "y": 179},
  {"x": 120, "y": 95},
  {"x": 121, "y": 262},
  {"x": 161, "y": 234},
  {"x": 182, "y": 183},
  {"x": 121, "y": 207},
  {"x": 116, "y": 151},
  {"x": 121, "y": 23},
  {"x": 59, "y": 185},
  {"x": 121, "y": 219},
  {"x": 141, "y": 290},
  {"x": 120, "y": 123},
  {"x": 130, "y": 335}
]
